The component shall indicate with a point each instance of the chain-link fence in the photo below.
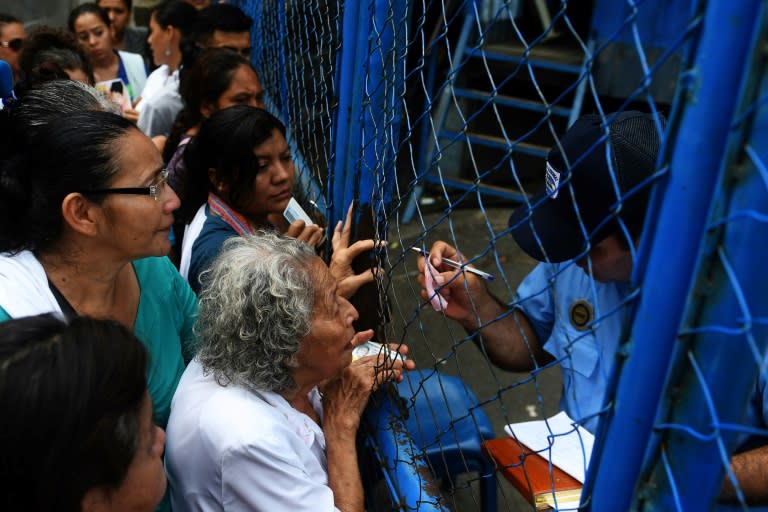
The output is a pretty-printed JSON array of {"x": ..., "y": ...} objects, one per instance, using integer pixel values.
[{"x": 437, "y": 119}]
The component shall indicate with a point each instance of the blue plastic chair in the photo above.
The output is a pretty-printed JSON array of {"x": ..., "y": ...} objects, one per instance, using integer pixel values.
[{"x": 445, "y": 422}]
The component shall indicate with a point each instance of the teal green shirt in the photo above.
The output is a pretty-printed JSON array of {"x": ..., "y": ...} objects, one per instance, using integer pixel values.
[{"x": 167, "y": 310}]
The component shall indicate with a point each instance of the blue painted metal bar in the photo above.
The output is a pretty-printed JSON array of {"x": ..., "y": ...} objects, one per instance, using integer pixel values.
[
  {"x": 380, "y": 122},
  {"x": 578, "y": 97},
  {"x": 468, "y": 185},
  {"x": 508, "y": 101},
  {"x": 679, "y": 210},
  {"x": 373, "y": 139},
  {"x": 349, "y": 77},
  {"x": 736, "y": 298},
  {"x": 525, "y": 59},
  {"x": 357, "y": 169},
  {"x": 493, "y": 142},
  {"x": 406, "y": 472}
]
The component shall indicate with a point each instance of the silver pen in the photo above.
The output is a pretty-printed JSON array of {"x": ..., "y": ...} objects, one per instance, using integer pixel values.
[{"x": 456, "y": 264}]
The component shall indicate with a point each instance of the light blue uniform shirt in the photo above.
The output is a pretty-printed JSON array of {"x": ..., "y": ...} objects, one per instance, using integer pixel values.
[{"x": 558, "y": 300}]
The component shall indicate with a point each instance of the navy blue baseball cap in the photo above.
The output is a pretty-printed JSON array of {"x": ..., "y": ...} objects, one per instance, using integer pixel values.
[{"x": 580, "y": 190}]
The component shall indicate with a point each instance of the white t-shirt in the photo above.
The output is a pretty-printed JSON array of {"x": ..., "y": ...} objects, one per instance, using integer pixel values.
[{"x": 160, "y": 102}]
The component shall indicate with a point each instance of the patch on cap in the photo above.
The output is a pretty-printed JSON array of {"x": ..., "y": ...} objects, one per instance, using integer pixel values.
[{"x": 552, "y": 181}]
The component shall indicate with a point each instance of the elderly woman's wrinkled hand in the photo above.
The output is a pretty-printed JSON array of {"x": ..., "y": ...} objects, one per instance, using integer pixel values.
[
  {"x": 344, "y": 254},
  {"x": 345, "y": 397}
]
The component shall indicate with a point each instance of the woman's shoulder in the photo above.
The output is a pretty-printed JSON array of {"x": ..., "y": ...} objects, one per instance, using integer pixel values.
[
  {"x": 213, "y": 234},
  {"x": 24, "y": 286},
  {"x": 130, "y": 57},
  {"x": 162, "y": 287},
  {"x": 155, "y": 271},
  {"x": 157, "y": 78}
]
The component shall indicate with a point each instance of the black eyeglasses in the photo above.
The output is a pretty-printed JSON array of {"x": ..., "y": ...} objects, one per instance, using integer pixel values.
[
  {"x": 13, "y": 44},
  {"x": 154, "y": 191}
]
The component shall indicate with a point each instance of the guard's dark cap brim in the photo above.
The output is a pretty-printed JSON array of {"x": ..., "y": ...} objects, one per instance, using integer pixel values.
[
  {"x": 543, "y": 234},
  {"x": 583, "y": 173}
]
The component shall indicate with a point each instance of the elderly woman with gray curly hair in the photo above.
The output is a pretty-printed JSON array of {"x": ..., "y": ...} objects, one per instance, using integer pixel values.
[{"x": 250, "y": 428}]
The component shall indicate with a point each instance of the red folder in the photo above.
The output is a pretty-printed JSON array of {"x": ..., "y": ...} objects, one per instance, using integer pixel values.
[{"x": 540, "y": 482}]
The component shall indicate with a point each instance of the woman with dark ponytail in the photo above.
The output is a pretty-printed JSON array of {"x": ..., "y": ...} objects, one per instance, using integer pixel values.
[
  {"x": 171, "y": 25},
  {"x": 84, "y": 220}
]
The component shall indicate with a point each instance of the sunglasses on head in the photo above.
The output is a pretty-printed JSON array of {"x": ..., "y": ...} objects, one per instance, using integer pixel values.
[{"x": 13, "y": 44}]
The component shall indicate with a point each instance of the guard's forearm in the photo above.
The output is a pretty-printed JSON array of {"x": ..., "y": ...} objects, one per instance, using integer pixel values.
[
  {"x": 507, "y": 337},
  {"x": 751, "y": 471}
]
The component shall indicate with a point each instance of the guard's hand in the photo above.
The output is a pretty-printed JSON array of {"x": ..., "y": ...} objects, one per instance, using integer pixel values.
[{"x": 464, "y": 292}]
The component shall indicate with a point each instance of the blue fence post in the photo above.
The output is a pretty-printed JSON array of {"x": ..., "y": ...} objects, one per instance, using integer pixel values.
[
  {"x": 351, "y": 70},
  {"x": 382, "y": 111},
  {"x": 371, "y": 81},
  {"x": 698, "y": 461},
  {"x": 683, "y": 200}
]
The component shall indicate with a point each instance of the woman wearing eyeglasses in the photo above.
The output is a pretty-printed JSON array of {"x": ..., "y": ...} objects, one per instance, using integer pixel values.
[
  {"x": 84, "y": 220},
  {"x": 12, "y": 36}
]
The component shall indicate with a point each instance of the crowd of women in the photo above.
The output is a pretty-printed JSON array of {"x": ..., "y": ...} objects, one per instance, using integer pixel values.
[{"x": 245, "y": 356}]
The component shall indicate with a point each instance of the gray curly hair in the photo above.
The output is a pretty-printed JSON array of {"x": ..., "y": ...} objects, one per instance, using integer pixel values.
[{"x": 255, "y": 306}]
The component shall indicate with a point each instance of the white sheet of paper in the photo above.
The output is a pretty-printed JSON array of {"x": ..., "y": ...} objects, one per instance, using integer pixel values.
[{"x": 570, "y": 451}]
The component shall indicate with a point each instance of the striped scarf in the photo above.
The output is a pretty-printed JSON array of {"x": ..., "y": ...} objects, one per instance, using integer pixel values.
[{"x": 236, "y": 221}]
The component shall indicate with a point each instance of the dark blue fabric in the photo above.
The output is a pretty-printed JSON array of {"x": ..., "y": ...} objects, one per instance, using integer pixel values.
[{"x": 206, "y": 247}]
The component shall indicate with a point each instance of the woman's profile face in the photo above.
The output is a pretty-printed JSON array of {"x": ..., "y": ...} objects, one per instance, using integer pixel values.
[
  {"x": 159, "y": 41},
  {"x": 327, "y": 349},
  {"x": 94, "y": 36},
  {"x": 137, "y": 225},
  {"x": 145, "y": 482},
  {"x": 272, "y": 187}
]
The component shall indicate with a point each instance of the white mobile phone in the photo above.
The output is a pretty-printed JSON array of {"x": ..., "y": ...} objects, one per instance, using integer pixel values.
[{"x": 294, "y": 212}]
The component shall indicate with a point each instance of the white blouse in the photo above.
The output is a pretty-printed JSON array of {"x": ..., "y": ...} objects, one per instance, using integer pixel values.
[{"x": 231, "y": 448}]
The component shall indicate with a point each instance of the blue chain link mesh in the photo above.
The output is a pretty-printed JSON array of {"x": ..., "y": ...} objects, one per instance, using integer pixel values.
[{"x": 436, "y": 118}]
